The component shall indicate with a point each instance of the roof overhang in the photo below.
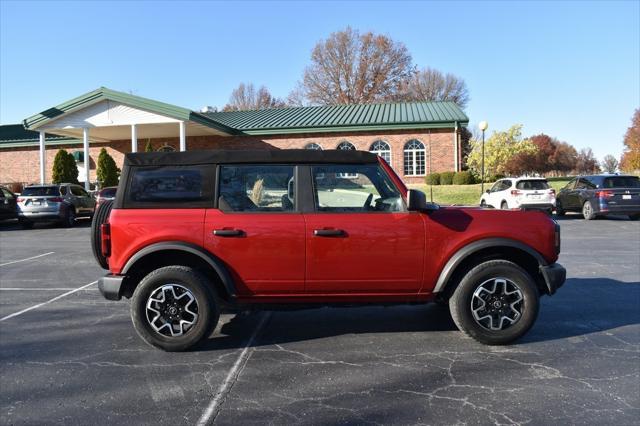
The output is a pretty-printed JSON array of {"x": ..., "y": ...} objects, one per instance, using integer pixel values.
[{"x": 358, "y": 128}]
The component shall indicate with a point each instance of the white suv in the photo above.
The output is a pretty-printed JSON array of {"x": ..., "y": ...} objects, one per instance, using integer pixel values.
[{"x": 523, "y": 192}]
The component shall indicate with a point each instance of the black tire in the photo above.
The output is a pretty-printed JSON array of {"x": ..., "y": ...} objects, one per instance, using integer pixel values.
[
  {"x": 460, "y": 303},
  {"x": 183, "y": 277},
  {"x": 99, "y": 217},
  {"x": 483, "y": 204},
  {"x": 69, "y": 218},
  {"x": 559, "y": 210},
  {"x": 634, "y": 216},
  {"x": 25, "y": 224},
  {"x": 504, "y": 206},
  {"x": 587, "y": 211}
]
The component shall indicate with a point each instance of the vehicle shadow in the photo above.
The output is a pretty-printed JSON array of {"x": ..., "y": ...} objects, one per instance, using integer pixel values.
[
  {"x": 582, "y": 306},
  {"x": 578, "y": 216}
]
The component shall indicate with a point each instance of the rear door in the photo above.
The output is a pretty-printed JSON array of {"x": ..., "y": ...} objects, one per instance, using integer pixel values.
[
  {"x": 257, "y": 229},
  {"x": 360, "y": 238}
]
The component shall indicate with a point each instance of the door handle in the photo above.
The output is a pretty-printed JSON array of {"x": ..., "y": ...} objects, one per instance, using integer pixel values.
[
  {"x": 228, "y": 232},
  {"x": 329, "y": 233}
]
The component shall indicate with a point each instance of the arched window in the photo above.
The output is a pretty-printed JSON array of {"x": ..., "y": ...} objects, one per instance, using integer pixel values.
[
  {"x": 414, "y": 158},
  {"x": 313, "y": 146},
  {"x": 382, "y": 149},
  {"x": 346, "y": 146},
  {"x": 166, "y": 148}
]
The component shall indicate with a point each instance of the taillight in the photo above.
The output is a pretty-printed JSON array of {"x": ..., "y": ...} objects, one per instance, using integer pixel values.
[
  {"x": 55, "y": 200},
  {"x": 105, "y": 239},
  {"x": 515, "y": 192},
  {"x": 21, "y": 200},
  {"x": 604, "y": 194},
  {"x": 552, "y": 191}
]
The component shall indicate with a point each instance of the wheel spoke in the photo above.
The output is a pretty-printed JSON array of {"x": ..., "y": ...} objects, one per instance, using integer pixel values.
[
  {"x": 172, "y": 310},
  {"x": 496, "y": 304}
]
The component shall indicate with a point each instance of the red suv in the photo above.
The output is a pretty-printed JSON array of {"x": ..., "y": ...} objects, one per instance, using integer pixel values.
[{"x": 192, "y": 234}]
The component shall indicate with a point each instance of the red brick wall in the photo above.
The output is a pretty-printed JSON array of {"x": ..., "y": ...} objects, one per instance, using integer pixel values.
[{"x": 22, "y": 164}]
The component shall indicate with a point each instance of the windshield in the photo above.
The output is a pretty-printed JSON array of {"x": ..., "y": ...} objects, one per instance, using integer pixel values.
[
  {"x": 536, "y": 184},
  {"x": 41, "y": 191},
  {"x": 621, "y": 182}
]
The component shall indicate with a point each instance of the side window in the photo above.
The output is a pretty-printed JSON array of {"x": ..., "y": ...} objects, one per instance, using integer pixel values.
[
  {"x": 257, "y": 188},
  {"x": 496, "y": 186},
  {"x": 77, "y": 191},
  {"x": 63, "y": 190},
  {"x": 170, "y": 187},
  {"x": 571, "y": 184},
  {"x": 367, "y": 189},
  {"x": 584, "y": 184}
]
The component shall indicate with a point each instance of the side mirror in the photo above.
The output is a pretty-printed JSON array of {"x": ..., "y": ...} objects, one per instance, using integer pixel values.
[
  {"x": 488, "y": 191},
  {"x": 417, "y": 202}
]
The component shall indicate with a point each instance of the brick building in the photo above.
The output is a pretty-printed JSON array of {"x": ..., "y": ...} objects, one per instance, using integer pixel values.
[{"x": 415, "y": 138}]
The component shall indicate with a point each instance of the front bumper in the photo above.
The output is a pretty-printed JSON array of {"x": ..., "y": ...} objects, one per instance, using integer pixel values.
[
  {"x": 554, "y": 276},
  {"x": 110, "y": 285}
]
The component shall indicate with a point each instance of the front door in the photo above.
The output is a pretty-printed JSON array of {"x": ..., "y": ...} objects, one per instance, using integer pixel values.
[
  {"x": 360, "y": 238},
  {"x": 257, "y": 230}
]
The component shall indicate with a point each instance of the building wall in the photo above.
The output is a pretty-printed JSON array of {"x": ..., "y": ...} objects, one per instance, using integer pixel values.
[{"x": 22, "y": 164}]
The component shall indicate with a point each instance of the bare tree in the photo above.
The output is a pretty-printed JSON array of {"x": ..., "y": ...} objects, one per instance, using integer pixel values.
[
  {"x": 609, "y": 164},
  {"x": 245, "y": 97},
  {"x": 430, "y": 84},
  {"x": 586, "y": 162},
  {"x": 349, "y": 67}
]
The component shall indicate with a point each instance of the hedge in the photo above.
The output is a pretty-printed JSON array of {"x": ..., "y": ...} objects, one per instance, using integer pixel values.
[
  {"x": 446, "y": 178},
  {"x": 463, "y": 178},
  {"x": 433, "y": 179}
]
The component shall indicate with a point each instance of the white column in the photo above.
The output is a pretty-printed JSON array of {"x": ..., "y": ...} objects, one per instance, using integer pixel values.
[
  {"x": 455, "y": 148},
  {"x": 87, "y": 160},
  {"x": 183, "y": 136},
  {"x": 134, "y": 138},
  {"x": 43, "y": 159}
]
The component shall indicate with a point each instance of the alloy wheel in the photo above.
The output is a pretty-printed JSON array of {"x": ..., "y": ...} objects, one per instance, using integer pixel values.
[
  {"x": 497, "y": 304},
  {"x": 172, "y": 310}
]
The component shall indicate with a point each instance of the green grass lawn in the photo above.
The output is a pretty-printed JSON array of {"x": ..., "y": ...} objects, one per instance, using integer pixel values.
[{"x": 465, "y": 194}]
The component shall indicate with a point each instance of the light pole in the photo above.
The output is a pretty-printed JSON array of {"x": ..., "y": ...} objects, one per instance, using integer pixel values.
[{"x": 482, "y": 126}]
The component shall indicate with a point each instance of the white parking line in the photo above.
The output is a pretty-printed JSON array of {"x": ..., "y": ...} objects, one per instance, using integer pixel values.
[
  {"x": 28, "y": 258},
  {"x": 47, "y": 302},
  {"x": 232, "y": 376}
]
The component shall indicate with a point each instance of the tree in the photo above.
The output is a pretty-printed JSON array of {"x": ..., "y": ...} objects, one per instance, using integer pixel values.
[
  {"x": 586, "y": 162},
  {"x": 349, "y": 67},
  {"x": 499, "y": 149},
  {"x": 630, "y": 161},
  {"x": 245, "y": 97},
  {"x": 108, "y": 173},
  {"x": 432, "y": 85},
  {"x": 564, "y": 158},
  {"x": 609, "y": 164},
  {"x": 64, "y": 168},
  {"x": 148, "y": 147}
]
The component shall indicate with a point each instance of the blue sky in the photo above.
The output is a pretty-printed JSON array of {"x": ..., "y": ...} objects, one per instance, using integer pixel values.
[{"x": 571, "y": 70}]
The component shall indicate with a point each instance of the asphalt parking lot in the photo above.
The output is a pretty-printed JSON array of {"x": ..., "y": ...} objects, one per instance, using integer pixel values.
[{"x": 68, "y": 356}]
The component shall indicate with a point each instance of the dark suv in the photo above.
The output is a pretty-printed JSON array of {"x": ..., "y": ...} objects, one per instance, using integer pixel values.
[
  {"x": 601, "y": 195},
  {"x": 192, "y": 234}
]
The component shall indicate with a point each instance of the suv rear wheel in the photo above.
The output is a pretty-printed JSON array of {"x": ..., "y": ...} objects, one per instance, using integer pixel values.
[
  {"x": 587, "y": 211},
  {"x": 496, "y": 302},
  {"x": 173, "y": 308}
]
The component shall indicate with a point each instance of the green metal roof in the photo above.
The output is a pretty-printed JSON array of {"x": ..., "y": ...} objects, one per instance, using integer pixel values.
[
  {"x": 103, "y": 93},
  {"x": 339, "y": 118},
  {"x": 15, "y": 135}
]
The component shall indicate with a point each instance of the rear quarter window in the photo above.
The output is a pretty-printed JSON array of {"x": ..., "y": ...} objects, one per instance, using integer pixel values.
[
  {"x": 170, "y": 187},
  {"x": 621, "y": 182},
  {"x": 532, "y": 185}
]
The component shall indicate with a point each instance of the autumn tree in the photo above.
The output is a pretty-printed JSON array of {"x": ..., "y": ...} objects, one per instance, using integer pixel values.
[
  {"x": 430, "y": 84},
  {"x": 349, "y": 67},
  {"x": 630, "y": 161},
  {"x": 609, "y": 164},
  {"x": 586, "y": 162},
  {"x": 246, "y": 97},
  {"x": 564, "y": 158},
  {"x": 499, "y": 149}
]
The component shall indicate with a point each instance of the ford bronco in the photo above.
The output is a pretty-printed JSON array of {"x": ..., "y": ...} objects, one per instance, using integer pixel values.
[{"x": 193, "y": 234}]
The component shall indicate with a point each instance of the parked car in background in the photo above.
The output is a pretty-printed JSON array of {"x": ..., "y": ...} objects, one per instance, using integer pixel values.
[
  {"x": 601, "y": 195},
  {"x": 61, "y": 203},
  {"x": 105, "y": 194},
  {"x": 8, "y": 204},
  {"x": 523, "y": 192}
]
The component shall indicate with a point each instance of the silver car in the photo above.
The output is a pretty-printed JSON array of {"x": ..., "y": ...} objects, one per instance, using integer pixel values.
[{"x": 62, "y": 203}]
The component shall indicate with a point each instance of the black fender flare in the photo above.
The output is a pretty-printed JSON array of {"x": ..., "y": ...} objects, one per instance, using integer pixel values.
[
  {"x": 193, "y": 249},
  {"x": 476, "y": 246}
]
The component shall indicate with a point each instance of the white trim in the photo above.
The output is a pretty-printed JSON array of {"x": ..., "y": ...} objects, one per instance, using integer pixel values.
[
  {"x": 87, "y": 159},
  {"x": 43, "y": 158},
  {"x": 183, "y": 136},
  {"x": 455, "y": 148},
  {"x": 134, "y": 138}
]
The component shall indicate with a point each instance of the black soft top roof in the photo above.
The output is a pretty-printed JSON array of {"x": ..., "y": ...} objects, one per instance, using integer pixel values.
[{"x": 297, "y": 156}]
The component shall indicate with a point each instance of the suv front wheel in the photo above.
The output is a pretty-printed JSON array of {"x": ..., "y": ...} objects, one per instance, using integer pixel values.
[
  {"x": 173, "y": 308},
  {"x": 496, "y": 302}
]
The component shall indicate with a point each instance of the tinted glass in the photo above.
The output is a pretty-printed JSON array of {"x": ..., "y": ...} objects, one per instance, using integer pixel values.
[
  {"x": 79, "y": 192},
  {"x": 354, "y": 188},
  {"x": 41, "y": 191},
  {"x": 584, "y": 184},
  {"x": 532, "y": 185},
  {"x": 621, "y": 182},
  {"x": 167, "y": 185},
  {"x": 257, "y": 188},
  {"x": 108, "y": 192}
]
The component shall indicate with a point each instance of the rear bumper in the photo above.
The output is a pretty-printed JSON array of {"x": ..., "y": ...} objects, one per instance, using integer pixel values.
[
  {"x": 37, "y": 216},
  {"x": 110, "y": 285},
  {"x": 537, "y": 206},
  {"x": 621, "y": 210},
  {"x": 554, "y": 276}
]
